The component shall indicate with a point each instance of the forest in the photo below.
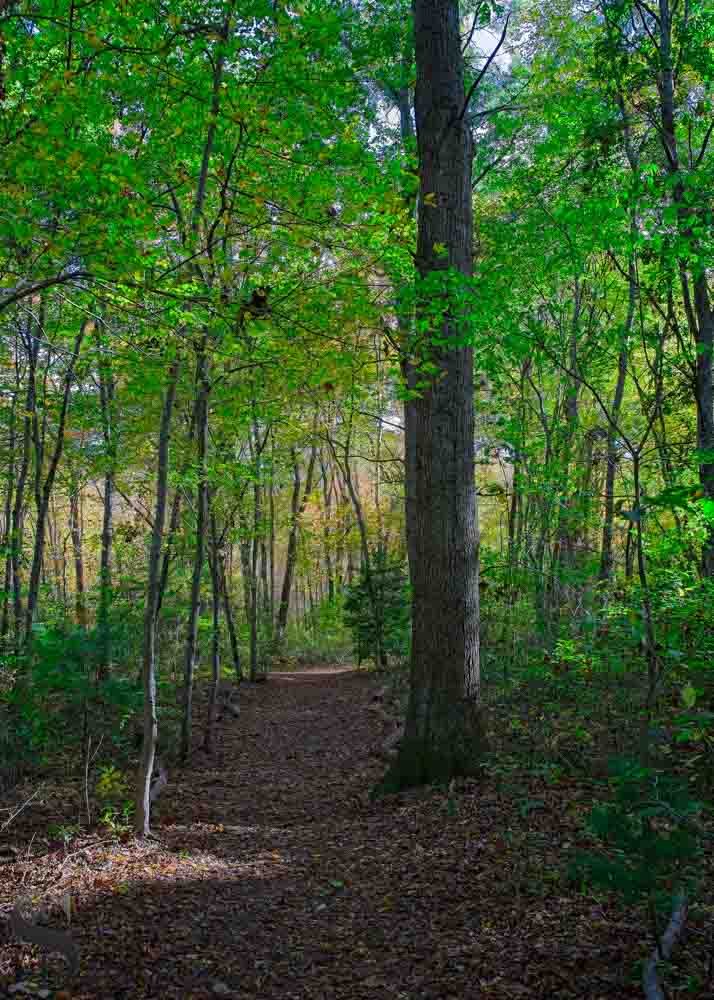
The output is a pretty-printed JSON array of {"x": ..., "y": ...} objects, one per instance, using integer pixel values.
[{"x": 357, "y": 499}]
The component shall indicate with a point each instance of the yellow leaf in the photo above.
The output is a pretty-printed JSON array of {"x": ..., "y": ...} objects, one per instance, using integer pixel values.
[{"x": 430, "y": 199}]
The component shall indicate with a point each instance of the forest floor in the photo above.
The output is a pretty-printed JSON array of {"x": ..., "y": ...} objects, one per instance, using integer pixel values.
[{"x": 274, "y": 875}]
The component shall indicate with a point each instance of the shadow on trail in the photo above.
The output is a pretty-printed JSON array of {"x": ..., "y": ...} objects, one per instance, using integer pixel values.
[{"x": 275, "y": 877}]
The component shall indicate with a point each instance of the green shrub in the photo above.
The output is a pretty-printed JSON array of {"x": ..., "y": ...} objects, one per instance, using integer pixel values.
[
  {"x": 649, "y": 841},
  {"x": 380, "y": 606}
]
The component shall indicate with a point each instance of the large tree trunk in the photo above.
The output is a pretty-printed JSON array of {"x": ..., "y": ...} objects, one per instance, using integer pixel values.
[
  {"x": 443, "y": 732},
  {"x": 142, "y": 819}
]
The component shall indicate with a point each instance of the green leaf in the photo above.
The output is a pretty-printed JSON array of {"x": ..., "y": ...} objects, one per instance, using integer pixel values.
[{"x": 689, "y": 696}]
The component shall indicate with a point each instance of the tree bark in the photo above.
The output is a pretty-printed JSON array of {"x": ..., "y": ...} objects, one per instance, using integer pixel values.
[
  {"x": 699, "y": 311},
  {"x": 215, "y": 638},
  {"x": 190, "y": 647},
  {"x": 230, "y": 622},
  {"x": 7, "y": 519},
  {"x": 18, "y": 511},
  {"x": 606, "y": 554},
  {"x": 380, "y": 658},
  {"x": 142, "y": 819},
  {"x": 106, "y": 398},
  {"x": 327, "y": 491},
  {"x": 45, "y": 492},
  {"x": 75, "y": 528},
  {"x": 297, "y": 508},
  {"x": 271, "y": 519},
  {"x": 249, "y": 584},
  {"x": 443, "y": 726}
]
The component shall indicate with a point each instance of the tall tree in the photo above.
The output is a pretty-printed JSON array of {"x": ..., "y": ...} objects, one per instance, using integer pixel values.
[{"x": 442, "y": 734}]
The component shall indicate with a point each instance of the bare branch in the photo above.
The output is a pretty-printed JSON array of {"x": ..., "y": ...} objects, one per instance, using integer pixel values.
[
  {"x": 484, "y": 69},
  {"x": 24, "y": 291}
]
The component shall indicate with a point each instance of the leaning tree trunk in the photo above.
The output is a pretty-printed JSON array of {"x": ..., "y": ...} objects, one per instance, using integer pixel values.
[
  {"x": 142, "y": 819},
  {"x": 443, "y": 726}
]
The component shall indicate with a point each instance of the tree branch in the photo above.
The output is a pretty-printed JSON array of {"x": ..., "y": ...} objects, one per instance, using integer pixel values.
[{"x": 484, "y": 69}]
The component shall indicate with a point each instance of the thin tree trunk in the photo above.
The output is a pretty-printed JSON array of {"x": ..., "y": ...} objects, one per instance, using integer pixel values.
[
  {"x": 249, "y": 583},
  {"x": 380, "y": 658},
  {"x": 271, "y": 517},
  {"x": 190, "y": 648},
  {"x": 230, "y": 623},
  {"x": 705, "y": 409},
  {"x": 649, "y": 636},
  {"x": 18, "y": 512},
  {"x": 7, "y": 521},
  {"x": 75, "y": 529},
  {"x": 175, "y": 517},
  {"x": 142, "y": 818},
  {"x": 297, "y": 509},
  {"x": 215, "y": 639},
  {"x": 327, "y": 491},
  {"x": 606, "y": 555},
  {"x": 46, "y": 489},
  {"x": 106, "y": 398},
  {"x": 515, "y": 506},
  {"x": 254, "y": 652},
  {"x": 264, "y": 583}
]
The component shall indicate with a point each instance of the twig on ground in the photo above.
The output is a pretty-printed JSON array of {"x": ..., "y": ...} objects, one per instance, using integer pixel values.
[{"x": 17, "y": 812}]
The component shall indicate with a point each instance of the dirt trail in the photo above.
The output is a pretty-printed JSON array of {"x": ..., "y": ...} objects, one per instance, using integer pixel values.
[{"x": 274, "y": 877}]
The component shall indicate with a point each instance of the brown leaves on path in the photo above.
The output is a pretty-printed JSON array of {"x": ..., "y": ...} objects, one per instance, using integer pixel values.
[{"x": 275, "y": 876}]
